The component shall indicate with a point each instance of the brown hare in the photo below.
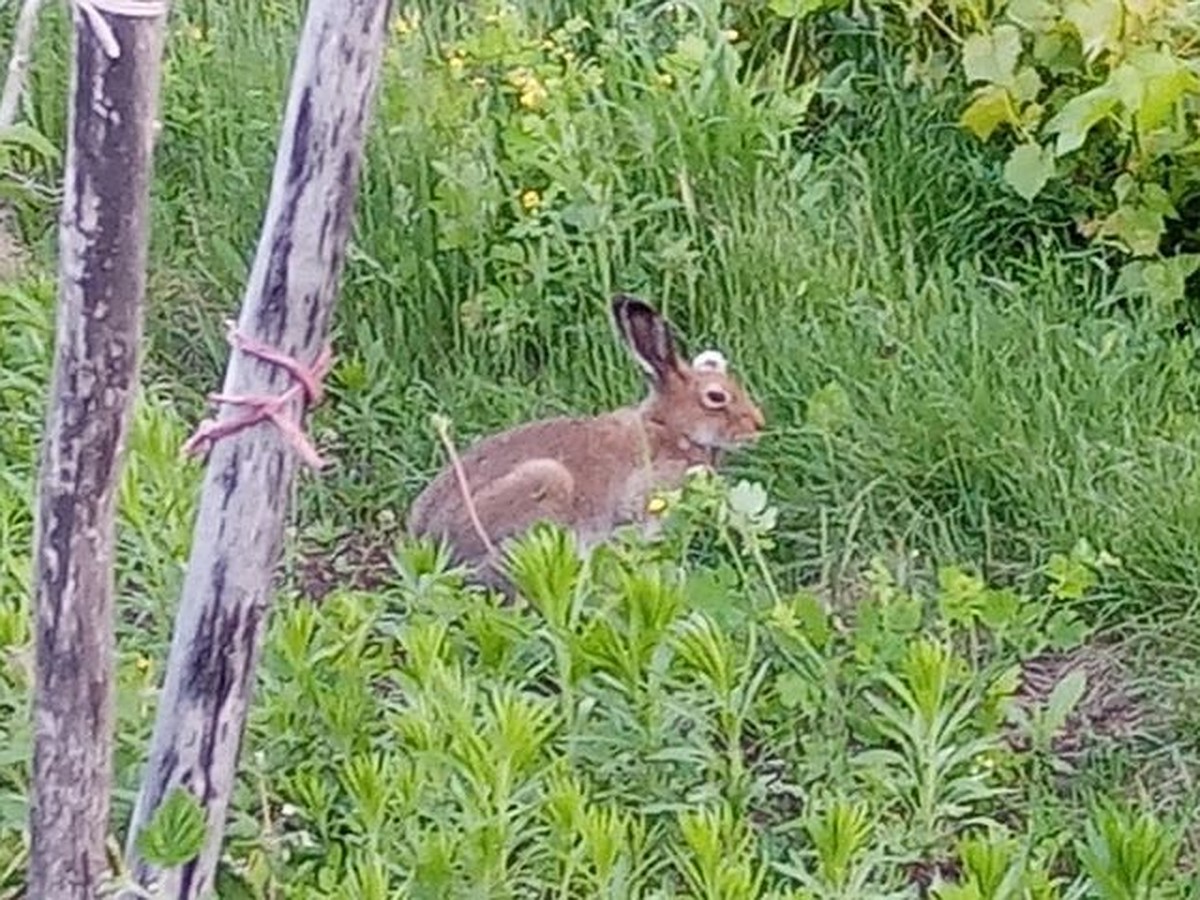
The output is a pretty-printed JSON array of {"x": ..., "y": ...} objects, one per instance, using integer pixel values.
[{"x": 591, "y": 474}]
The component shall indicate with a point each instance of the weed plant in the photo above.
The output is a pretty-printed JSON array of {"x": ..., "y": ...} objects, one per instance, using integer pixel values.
[{"x": 981, "y": 462}]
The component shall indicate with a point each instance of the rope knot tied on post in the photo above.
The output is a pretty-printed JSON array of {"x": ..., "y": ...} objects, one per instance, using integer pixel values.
[{"x": 274, "y": 409}]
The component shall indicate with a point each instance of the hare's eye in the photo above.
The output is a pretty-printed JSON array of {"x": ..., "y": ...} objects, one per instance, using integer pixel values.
[{"x": 714, "y": 397}]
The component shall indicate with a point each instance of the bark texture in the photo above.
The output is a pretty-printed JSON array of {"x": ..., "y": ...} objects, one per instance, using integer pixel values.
[
  {"x": 288, "y": 303},
  {"x": 102, "y": 282}
]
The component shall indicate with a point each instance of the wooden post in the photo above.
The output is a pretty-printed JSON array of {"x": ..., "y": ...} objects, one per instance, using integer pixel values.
[
  {"x": 288, "y": 302},
  {"x": 102, "y": 282}
]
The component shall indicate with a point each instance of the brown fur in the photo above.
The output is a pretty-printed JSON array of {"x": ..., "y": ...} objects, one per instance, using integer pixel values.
[{"x": 591, "y": 474}]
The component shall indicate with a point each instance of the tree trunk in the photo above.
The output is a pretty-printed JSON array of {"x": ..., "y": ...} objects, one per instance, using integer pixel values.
[
  {"x": 288, "y": 303},
  {"x": 102, "y": 282}
]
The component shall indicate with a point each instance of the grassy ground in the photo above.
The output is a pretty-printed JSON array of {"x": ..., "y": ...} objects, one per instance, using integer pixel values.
[{"x": 947, "y": 382}]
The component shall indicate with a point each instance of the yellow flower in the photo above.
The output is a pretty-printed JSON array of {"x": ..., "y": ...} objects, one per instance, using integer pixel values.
[
  {"x": 479, "y": 81},
  {"x": 195, "y": 33},
  {"x": 656, "y": 506},
  {"x": 531, "y": 200},
  {"x": 533, "y": 92},
  {"x": 533, "y": 96},
  {"x": 731, "y": 35},
  {"x": 407, "y": 22},
  {"x": 666, "y": 79},
  {"x": 456, "y": 64},
  {"x": 143, "y": 664}
]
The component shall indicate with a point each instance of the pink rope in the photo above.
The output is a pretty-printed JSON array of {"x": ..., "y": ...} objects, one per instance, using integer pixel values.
[{"x": 267, "y": 408}]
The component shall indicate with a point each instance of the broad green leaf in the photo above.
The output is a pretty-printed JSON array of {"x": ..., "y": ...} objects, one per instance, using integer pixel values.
[
  {"x": 1065, "y": 630},
  {"x": 1028, "y": 169},
  {"x": 1036, "y": 15},
  {"x": 992, "y": 57},
  {"x": 1079, "y": 116},
  {"x": 1156, "y": 199},
  {"x": 1027, "y": 84},
  {"x": 813, "y": 618},
  {"x": 1058, "y": 52},
  {"x": 1164, "y": 80},
  {"x": 1161, "y": 281},
  {"x": 1001, "y": 610},
  {"x": 1031, "y": 116},
  {"x": 1137, "y": 226},
  {"x": 1125, "y": 188},
  {"x": 793, "y": 690},
  {"x": 711, "y": 591},
  {"x": 176, "y": 831},
  {"x": 1071, "y": 577},
  {"x": 1166, "y": 279},
  {"x": 991, "y": 108},
  {"x": 1098, "y": 23}
]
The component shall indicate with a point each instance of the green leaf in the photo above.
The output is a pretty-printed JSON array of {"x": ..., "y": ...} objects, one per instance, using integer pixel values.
[
  {"x": 1028, "y": 169},
  {"x": 1058, "y": 52},
  {"x": 712, "y": 591},
  {"x": 1027, "y": 84},
  {"x": 990, "y": 109},
  {"x": 1001, "y": 609},
  {"x": 992, "y": 57},
  {"x": 793, "y": 690},
  {"x": 748, "y": 498},
  {"x": 1065, "y": 630},
  {"x": 175, "y": 833},
  {"x": 232, "y": 886},
  {"x": 1036, "y": 15},
  {"x": 903, "y": 616},
  {"x": 1156, "y": 199},
  {"x": 1064, "y": 698},
  {"x": 22, "y": 135},
  {"x": 795, "y": 9},
  {"x": 812, "y": 618},
  {"x": 1098, "y": 23},
  {"x": 1136, "y": 226},
  {"x": 1070, "y": 578},
  {"x": 1079, "y": 116},
  {"x": 1152, "y": 83},
  {"x": 828, "y": 408},
  {"x": 1161, "y": 281}
]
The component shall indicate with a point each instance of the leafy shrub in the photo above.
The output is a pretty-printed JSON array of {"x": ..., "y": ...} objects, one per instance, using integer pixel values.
[
  {"x": 1100, "y": 95},
  {"x": 1095, "y": 101},
  {"x": 651, "y": 726}
]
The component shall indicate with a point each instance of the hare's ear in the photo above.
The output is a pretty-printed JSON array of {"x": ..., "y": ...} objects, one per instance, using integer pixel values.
[{"x": 648, "y": 336}]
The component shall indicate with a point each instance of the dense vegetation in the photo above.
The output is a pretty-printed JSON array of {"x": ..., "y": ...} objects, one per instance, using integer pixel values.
[{"x": 935, "y": 633}]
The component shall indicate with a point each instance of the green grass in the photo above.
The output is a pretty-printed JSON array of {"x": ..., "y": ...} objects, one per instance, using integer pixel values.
[{"x": 947, "y": 381}]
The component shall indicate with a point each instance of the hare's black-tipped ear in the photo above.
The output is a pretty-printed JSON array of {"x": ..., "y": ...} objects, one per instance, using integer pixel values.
[{"x": 648, "y": 336}]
